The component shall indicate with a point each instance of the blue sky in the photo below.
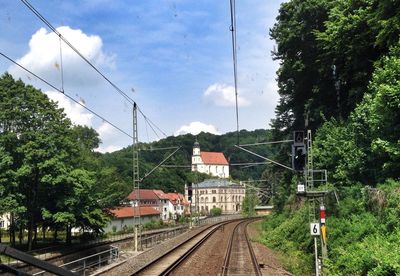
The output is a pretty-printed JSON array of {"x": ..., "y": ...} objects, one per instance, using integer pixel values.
[{"x": 174, "y": 58}]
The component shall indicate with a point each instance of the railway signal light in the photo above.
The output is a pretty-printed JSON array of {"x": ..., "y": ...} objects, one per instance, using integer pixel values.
[
  {"x": 298, "y": 138},
  {"x": 298, "y": 157},
  {"x": 298, "y": 151}
]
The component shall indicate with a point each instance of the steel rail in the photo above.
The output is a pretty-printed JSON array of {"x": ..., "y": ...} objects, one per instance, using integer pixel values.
[
  {"x": 225, "y": 267},
  {"x": 191, "y": 250},
  {"x": 177, "y": 262},
  {"x": 253, "y": 255}
]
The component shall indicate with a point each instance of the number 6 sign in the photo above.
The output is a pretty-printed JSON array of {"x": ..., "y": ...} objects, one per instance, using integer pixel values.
[{"x": 315, "y": 229}]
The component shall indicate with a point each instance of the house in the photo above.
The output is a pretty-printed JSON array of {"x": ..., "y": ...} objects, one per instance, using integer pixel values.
[
  {"x": 170, "y": 205},
  {"x": 216, "y": 193},
  {"x": 212, "y": 163},
  {"x": 146, "y": 198},
  {"x": 179, "y": 204},
  {"x": 124, "y": 217},
  {"x": 165, "y": 206}
]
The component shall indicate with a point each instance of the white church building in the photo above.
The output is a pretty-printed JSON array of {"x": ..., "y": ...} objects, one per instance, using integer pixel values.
[
  {"x": 213, "y": 193},
  {"x": 212, "y": 163}
]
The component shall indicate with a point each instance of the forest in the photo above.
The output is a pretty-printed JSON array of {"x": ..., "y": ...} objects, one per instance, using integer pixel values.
[{"x": 339, "y": 76}]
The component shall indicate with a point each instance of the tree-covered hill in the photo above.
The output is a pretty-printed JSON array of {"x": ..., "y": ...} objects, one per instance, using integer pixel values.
[{"x": 173, "y": 179}]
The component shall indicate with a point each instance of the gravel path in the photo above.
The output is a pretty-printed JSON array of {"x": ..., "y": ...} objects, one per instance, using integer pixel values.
[{"x": 270, "y": 265}]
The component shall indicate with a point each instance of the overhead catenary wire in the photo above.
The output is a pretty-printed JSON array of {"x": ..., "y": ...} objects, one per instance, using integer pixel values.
[
  {"x": 119, "y": 90},
  {"x": 234, "y": 57},
  {"x": 48, "y": 24},
  {"x": 65, "y": 94}
]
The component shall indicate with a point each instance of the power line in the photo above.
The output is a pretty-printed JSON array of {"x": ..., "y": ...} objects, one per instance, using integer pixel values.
[
  {"x": 234, "y": 56},
  {"x": 48, "y": 24},
  {"x": 66, "y": 95},
  {"x": 119, "y": 90},
  {"x": 151, "y": 124}
]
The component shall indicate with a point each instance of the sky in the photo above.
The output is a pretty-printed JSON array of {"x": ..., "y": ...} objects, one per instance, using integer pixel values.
[{"x": 172, "y": 57}]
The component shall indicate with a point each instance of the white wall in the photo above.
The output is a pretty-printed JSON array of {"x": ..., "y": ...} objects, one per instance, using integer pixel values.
[{"x": 119, "y": 223}]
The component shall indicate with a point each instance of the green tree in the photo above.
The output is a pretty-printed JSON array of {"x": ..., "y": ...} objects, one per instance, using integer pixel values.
[
  {"x": 250, "y": 201},
  {"x": 40, "y": 155}
]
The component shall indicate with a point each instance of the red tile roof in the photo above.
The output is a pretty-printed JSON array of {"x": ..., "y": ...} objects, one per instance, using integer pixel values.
[
  {"x": 173, "y": 197},
  {"x": 213, "y": 158},
  {"x": 128, "y": 212},
  {"x": 143, "y": 195},
  {"x": 161, "y": 194}
]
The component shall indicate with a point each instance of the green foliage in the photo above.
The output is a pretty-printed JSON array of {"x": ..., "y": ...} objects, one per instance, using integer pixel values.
[
  {"x": 339, "y": 75},
  {"x": 289, "y": 233},
  {"x": 215, "y": 212},
  {"x": 250, "y": 201},
  {"x": 45, "y": 164},
  {"x": 153, "y": 224},
  {"x": 173, "y": 179}
]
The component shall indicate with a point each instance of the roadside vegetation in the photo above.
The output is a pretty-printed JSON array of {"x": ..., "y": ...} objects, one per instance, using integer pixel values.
[{"x": 340, "y": 73}]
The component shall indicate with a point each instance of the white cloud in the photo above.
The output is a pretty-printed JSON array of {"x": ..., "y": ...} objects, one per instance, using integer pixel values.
[
  {"x": 109, "y": 148},
  {"x": 105, "y": 130},
  {"x": 109, "y": 137},
  {"x": 195, "y": 128},
  {"x": 74, "y": 111},
  {"x": 43, "y": 57},
  {"x": 223, "y": 95}
]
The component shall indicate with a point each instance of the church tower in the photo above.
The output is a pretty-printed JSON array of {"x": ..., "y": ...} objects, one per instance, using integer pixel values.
[{"x": 196, "y": 159}]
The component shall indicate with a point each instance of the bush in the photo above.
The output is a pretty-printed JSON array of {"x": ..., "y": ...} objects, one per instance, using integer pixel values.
[{"x": 215, "y": 212}]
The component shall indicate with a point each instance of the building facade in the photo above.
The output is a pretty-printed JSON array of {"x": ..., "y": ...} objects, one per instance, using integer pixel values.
[
  {"x": 123, "y": 218},
  {"x": 170, "y": 205},
  {"x": 215, "y": 193},
  {"x": 212, "y": 163}
]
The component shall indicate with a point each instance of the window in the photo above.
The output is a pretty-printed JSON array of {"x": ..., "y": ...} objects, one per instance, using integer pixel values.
[
  {"x": 1, "y": 224},
  {"x": 174, "y": 208},
  {"x": 214, "y": 199},
  {"x": 213, "y": 191}
]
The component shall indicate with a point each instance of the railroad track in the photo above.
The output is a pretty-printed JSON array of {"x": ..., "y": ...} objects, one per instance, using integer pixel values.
[
  {"x": 66, "y": 255},
  {"x": 240, "y": 253},
  {"x": 179, "y": 259}
]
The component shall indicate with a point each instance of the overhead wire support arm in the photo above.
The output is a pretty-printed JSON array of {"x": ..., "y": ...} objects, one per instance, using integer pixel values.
[
  {"x": 160, "y": 164},
  {"x": 156, "y": 149},
  {"x": 265, "y": 158},
  {"x": 266, "y": 143}
]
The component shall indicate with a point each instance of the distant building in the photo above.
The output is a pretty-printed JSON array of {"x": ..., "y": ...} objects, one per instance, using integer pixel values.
[
  {"x": 212, "y": 163},
  {"x": 170, "y": 205},
  {"x": 216, "y": 193},
  {"x": 180, "y": 206},
  {"x": 264, "y": 210},
  {"x": 124, "y": 217}
]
